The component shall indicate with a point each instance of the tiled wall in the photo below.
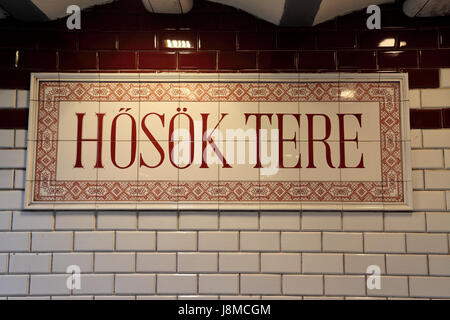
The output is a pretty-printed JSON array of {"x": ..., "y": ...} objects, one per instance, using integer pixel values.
[{"x": 229, "y": 254}]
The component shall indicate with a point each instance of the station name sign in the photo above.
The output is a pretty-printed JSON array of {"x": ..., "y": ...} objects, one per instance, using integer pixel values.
[{"x": 214, "y": 141}]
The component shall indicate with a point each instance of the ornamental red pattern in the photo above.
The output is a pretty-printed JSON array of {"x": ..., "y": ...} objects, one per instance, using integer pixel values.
[{"x": 387, "y": 94}]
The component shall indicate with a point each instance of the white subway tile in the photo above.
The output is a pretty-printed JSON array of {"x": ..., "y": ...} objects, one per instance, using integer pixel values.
[
  {"x": 114, "y": 262},
  {"x": 280, "y": 262},
  {"x": 22, "y": 98},
  {"x": 447, "y": 158},
  {"x": 3, "y": 262},
  {"x": 50, "y": 284},
  {"x": 429, "y": 200},
  {"x": 157, "y": 221},
  {"x": 218, "y": 241},
  {"x": 437, "y": 179},
  {"x": 11, "y": 200},
  {"x": 5, "y": 220},
  {"x": 240, "y": 297},
  {"x": 301, "y": 241},
  {"x": 345, "y": 285},
  {"x": 447, "y": 196},
  {"x": 404, "y": 221},
  {"x": 177, "y": 241},
  {"x": 384, "y": 242},
  {"x": 195, "y": 297},
  {"x": 315, "y": 263},
  {"x": 20, "y": 138},
  {"x": 75, "y": 220},
  {"x": 436, "y": 138},
  {"x": 303, "y": 284},
  {"x": 135, "y": 284},
  {"x": 197, "y": 262},
  {"x": 342, "y": 242},
  {"x": 6, "y": 138},
  {"x": 14, "y": 241},
  {"x": 218, "y": 284},
  {"x": 429, "y": 287},
  {"x": 72, "y": 298},
  {"x": 7, "y": 98},
  {"x": 265, "y": 297},
  {"x": 418, "y": 180},
  {"x": 280, "y": 221},
  {"x": 239, "y": 221},
  {"x": 426, "y": 243},
  {"x": 61, "y": 261},
  {"x": 260, "y": 241},
  {"x": 13, "y": 285},
  {"x": 176, "y": 284},
  {"x": 260, "y": 284},
  {"x": 12, "y": 158},
  {"x": 424, "y": 158},
  {"x": 438, "y": 221},
  {"x": 358, "y": 263},
  {"x": 19, "y": 179},
  {"x": 116, "y": 220},
  {"x": 416, "y": 138},
  {"x": 239, "y": 262},
  {"x": 95, "y": 284},
  {"x": 6, "y": 179},
  {"x": 402, "y": 264},
  {"x": 444, "y": 77},
  {"x": 165, "y": 297},
  {"x": 135, "y": 241},
  {"x": 321, "y": 221},
  {"x": 390, "y": 287},
  {"x": 198, "y": 220},
  {"x": 414, "y": 99},
  {"x": 94, "y": 241},
  {"x": 432, "y": 98},
  {"x": 362, "y": 221},
  {"x": 156, "y": 262},
  {"x": 29, "y": 262},
  {"x": 121, "y": 297},
  {"x": 439, "y": 265},
  {"x": 52, "y": 241},
  {"x": 32, "y": 220}
]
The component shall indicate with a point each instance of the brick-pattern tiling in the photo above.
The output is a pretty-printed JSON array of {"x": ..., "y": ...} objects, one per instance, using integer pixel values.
[{"x": 229, "y": 255}]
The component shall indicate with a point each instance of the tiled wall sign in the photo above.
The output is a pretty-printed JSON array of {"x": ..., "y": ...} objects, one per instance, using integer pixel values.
[{"x": 219, "y": 141}]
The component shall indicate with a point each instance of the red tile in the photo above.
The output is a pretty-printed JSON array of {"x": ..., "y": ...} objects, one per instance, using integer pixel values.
[
  {"x": 17, "y": 39},
  {"x": 218, "y": 40},
  {"x": 256, "y": 40},
  {"x": 231, "y": 60},
  {"x": 7, "y": 59},
  {"x": 117, "y": 60},
  {"x": 397, "y": 59},
  {"x": 13, "y": 118},
  {"x": 277, "y": 60},
  {"x": 197, "y": 60},
  {"x": 319, "y": 60},
  {"x": 137, "y": 40},
  {"x": 357, "y": 60},
  {"x": 296, "y": 40},
  {"x": 157, "y": 60},
  {"x": 377, "y": 39},
  {"x": 237, "y": 22},
  {"x": 41, "y": 60},
  {"x": 14, "y": 79},
  {"x": 77, "y": 60},
  {"x": 336, "y": 40},
  {"x": 445, "y": 38},
  {"x": 98, "y": 41},
  {"x": 435, "y": 58},
  {"x": 182, "y": 38},
  {"x": 423, "y": 78},
  {"x": 57, "y": 40},
  {"x": 425, "y": 119},
  {"x": 417, "y": 39},
  {"x": 446, "y": 117}
]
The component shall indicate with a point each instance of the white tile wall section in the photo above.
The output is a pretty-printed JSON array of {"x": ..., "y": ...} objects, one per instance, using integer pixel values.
[{"x": 230, "y": 255}]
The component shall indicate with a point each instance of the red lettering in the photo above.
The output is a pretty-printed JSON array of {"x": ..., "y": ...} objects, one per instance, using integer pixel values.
[
  {"x": 343, "y": 140},
  {"x": 208, "y": 139},
  {"x": 258, "y": 117},
  {"x": 281, "y": 140},
  {"x": 80, "y": 139},
  {"x": 152, "y": 140},
  {"x": 311, "y": 139},
  {"x": 114, "y": 142}
]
